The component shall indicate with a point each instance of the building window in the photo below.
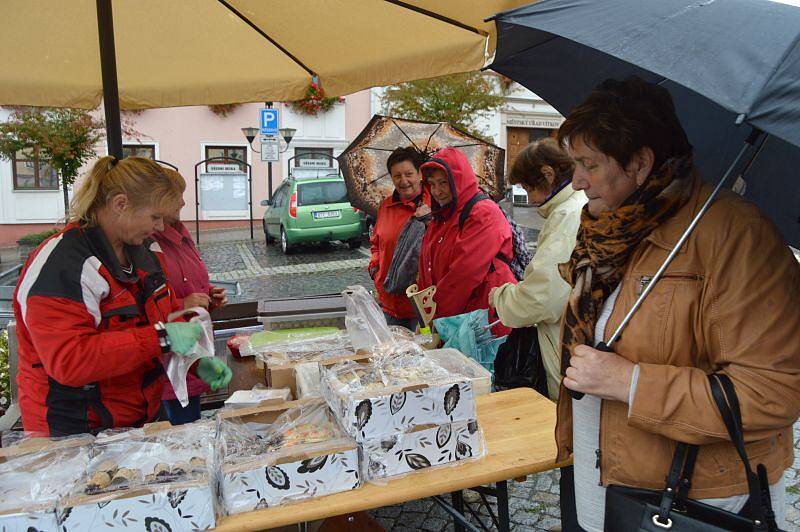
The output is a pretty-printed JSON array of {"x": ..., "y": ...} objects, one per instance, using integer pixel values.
[
  {"x": 147, "y": 151},
  {"x": 313, "y": 157},
  {"x": 232, "y": 152},
  {"x": 30, "y": 174}
]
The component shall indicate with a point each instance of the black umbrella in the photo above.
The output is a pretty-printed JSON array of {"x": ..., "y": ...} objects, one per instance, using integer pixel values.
[{"x": 733, "y": 68}]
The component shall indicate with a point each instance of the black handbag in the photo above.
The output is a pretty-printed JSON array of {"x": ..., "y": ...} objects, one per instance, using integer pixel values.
[
  {"x": 631, "y": 509},
  {"x": 519, "y": 363}
]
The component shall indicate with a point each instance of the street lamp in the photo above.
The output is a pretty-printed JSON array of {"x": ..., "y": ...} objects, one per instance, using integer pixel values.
[{"x": 251, "y": 133}]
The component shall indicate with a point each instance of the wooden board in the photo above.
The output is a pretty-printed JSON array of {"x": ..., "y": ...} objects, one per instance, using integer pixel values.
[{"x": 518, "y": 426}]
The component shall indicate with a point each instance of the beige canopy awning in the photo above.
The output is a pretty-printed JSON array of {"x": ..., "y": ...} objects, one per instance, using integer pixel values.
[{"x": 198, "y": 52}]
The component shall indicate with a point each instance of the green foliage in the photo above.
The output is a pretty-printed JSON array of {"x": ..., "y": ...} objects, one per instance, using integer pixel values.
[
  {"x": 5, "y": 374},
  {"x": 65, "y": 137},
  {"x": 34, "y": 239},
  {"x": 460, "y": 99}
]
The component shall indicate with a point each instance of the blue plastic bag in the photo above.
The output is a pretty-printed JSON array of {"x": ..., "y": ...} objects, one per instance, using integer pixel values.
[{"x": 470, "y": 333}]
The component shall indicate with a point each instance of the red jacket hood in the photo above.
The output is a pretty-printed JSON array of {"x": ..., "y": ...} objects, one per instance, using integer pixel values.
[{"x": 459, "y": 172}]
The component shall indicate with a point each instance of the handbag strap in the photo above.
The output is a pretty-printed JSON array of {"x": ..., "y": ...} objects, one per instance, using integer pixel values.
[
  {"x": 728, "y": 404},
  {"x": 683, "y": 461}
]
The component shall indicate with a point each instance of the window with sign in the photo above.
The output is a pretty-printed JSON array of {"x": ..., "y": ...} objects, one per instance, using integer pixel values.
[
  {"x": 232, "y": 152},
  {"x": 31, "y": 174},
  {"x": 148, "y": 151},
  {"x": 313, "y": 157}
]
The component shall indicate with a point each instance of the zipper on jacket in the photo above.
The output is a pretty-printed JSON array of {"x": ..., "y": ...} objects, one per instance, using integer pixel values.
[
  {"x": 645, "y": 280},
  {"x": 597, "y": 463}
]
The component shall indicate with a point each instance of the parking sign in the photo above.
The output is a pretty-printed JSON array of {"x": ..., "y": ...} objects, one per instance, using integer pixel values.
[{"x": 269, "y": 122}]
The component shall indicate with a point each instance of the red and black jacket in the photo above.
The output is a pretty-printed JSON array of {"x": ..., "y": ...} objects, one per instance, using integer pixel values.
[{"x": 88, "y": 351}]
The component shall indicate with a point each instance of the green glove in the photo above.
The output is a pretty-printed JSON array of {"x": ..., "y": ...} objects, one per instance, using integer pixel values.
[
  {"x": 183, "y": 335},
  {"x": 214, "y": 372}
]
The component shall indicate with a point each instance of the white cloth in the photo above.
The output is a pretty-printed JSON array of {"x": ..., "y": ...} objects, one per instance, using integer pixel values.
[{"x": 590, "y": 494}]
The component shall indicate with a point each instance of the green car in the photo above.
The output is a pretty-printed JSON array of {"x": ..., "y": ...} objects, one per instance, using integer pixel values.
[{"x": 311, "y": 210}]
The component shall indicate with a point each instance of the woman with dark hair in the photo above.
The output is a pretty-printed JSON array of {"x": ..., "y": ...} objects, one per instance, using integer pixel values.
[
  {"x": 407, "y": 200},
  {"x": 726, "y": 304},
  {"x": 544, "y": 170}
]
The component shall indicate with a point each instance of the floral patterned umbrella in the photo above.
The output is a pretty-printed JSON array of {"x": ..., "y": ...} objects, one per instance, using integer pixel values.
[{"x": 363, "y": 163}]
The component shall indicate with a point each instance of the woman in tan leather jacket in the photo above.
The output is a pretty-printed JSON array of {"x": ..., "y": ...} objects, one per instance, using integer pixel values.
[{"x": 727, "y": 303}]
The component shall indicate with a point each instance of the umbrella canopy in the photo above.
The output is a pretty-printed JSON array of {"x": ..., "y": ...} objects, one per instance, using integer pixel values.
[
  {"x": 198, "y": 52},
  {"x": 726, "y": 64},
  {"x": 363, "y": 163}
]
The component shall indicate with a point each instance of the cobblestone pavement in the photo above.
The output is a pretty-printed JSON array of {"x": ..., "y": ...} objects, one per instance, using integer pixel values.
[{"x": 264, "y": 272}]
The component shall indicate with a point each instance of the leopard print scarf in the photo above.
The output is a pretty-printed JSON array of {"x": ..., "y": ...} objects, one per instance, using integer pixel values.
[{"x": 605, "y": 244}]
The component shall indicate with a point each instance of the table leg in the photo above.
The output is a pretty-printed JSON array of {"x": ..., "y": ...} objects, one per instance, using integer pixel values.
[
  {"x": 458, "y": 506},
  {"x": 503, "y": 517}
]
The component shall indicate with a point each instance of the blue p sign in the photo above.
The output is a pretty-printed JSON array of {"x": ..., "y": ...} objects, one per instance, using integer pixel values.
[{"x": 269, "y": 122}]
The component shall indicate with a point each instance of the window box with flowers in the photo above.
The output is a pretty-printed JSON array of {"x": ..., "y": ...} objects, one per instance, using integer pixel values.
[{"x": 314, "y": 101}]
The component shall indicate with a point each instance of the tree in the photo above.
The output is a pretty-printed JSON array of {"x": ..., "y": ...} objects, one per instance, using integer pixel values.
[
  {"x": 459, "y": 99},
  {"x": 65, "y": 139}
]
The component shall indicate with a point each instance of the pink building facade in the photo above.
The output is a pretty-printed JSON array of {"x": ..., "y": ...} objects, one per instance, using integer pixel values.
[{"x": 184, "y": 136}]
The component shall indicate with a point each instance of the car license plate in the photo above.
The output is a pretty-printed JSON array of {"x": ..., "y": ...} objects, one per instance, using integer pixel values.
[{"x": 318, "y": 215}]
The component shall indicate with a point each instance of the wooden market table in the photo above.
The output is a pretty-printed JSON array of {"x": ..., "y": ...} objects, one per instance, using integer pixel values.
[{"x": 518, "y": 427}]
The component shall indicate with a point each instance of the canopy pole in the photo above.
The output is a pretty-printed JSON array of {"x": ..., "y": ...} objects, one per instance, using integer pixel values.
[{"x": 108, "y": 65}]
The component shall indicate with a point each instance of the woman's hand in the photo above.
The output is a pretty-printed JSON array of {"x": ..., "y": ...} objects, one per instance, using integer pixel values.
[
  {"x": 602, "y": 374},
  {"x": 197, "y": 299},
  {"x": 422, "y": 210},
  {"x": 491, "y": 297},
  {"x": 219, "y": 297}
]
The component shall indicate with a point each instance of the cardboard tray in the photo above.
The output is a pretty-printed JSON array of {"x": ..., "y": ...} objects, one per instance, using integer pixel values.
[{"x": 294, "y": 473}]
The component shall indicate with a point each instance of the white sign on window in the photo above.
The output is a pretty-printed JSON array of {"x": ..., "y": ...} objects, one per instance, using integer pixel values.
[
  {"x": 218, "y": 167},
  {"x": 314, "y": 163}
]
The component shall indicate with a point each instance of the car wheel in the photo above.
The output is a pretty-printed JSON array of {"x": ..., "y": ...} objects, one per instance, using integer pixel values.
[
  {"x": 354, "y": 243},
  {"x": 286, "y": 247}
]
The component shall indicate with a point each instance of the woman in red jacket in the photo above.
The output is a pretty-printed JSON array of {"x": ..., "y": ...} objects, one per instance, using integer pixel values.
[
  {"x": 464, "y": 262},
  {"x": 92, "y": 306},
  {"x": 188, "y": 277},
  {"x": 406, "y": 201}
]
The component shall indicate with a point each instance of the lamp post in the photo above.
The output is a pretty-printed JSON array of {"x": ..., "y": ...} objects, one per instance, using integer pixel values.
[{"x": 251, "y": 133}]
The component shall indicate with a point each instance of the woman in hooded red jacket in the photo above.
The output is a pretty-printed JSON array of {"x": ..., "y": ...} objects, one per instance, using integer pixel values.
[{"x": 464, "y": 261}]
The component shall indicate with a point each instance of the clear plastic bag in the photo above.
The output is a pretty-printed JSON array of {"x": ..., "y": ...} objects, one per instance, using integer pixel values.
[
  {"x": 364, "y": 320},
  {"x": 177, "y": 366},
  {"x": 123, "y": 460},
  {"x": 303, "y": 349},
  {"x": 35, "y": 481},
  {"x": 160, "y": 476}
]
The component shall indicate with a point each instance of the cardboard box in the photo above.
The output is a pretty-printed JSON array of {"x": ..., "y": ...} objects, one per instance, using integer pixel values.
[
  {"x": 177, "y": 506},
  {"x": 31, "y": 518},
  {"x": 291, "y": 472},
  {"x": 374, "y": 414},
  {"x": 420, "y": 448},
  {"x": 185, "y": 501},
  {"x": 284, "y": 375}
]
